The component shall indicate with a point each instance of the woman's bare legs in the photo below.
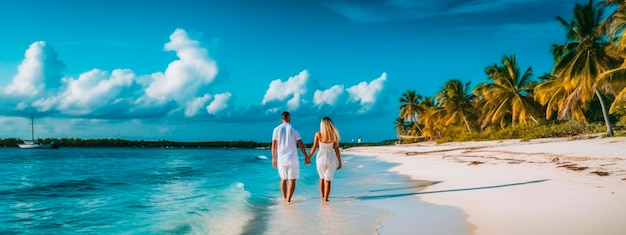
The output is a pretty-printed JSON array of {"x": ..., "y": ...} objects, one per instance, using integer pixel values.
[
  {"x": 326, "y": 189},
  {"x": 322, "y": 188}
]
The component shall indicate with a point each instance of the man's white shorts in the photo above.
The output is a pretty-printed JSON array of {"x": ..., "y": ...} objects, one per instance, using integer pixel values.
[{"x": 289, "y": 172}]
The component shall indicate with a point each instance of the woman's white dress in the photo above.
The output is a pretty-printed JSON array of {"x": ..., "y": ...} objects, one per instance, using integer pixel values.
[{"x": 326, "y": 161}]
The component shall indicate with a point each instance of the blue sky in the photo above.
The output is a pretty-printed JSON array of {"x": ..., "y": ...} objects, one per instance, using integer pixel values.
[{"x": 225, "y": 69}]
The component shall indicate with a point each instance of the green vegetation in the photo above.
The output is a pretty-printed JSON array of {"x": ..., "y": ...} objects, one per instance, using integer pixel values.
[
  {"x": 120, "y": 143},
  {"x": 77, "y": 142},
  {"x": 525, "y": 132},
  {"x": 587, "y": 85}
]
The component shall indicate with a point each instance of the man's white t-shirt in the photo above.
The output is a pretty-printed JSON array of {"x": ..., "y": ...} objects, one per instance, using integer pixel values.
[{"x": 287, "y": 138}]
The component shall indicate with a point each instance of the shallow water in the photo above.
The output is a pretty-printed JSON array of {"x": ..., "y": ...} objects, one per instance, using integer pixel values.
[{"x": 184, "y": 191}]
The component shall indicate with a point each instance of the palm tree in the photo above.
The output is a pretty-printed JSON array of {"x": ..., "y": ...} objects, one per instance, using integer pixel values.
[
  {"x": 409, "y": 106},
  {"x": 457, "y": 103},
  {"x": 414, "y": 129},
  {"x": 400, "y": 125},
  {"x": 615, "y": 25},
  {"x": 552, "y": 95},
  {"x": 581, "y": 59},
  {"x": 509, "y": 95},
  {"x": 431, "y": 118},
  {"x": 615, "y": 78}
]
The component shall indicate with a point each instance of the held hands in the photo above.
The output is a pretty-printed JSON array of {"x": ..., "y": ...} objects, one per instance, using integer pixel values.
[
  {"x": 307, "y": 159},
  {"x": 274, "y": 164},
  {"x": 339, "y": 166}
]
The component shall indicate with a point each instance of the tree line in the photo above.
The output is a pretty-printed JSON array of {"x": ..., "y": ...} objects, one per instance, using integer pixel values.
[
  {"x": 78, "y": 142},
  {"x": 587, "y": 84}
]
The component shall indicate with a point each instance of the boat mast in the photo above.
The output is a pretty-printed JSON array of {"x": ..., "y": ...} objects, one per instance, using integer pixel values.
[{"x": 32, "y": 128}]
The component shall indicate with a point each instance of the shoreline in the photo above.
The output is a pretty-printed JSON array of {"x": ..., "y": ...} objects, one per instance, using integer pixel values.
[
  {"x": 542, "y": 186},
  {"x": 367, "y": 198}
]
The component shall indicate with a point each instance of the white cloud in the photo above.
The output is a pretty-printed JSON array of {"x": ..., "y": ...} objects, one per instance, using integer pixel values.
[
  {"x": 328, "y": 96},
  {"x": 95, "y": 89},
  {"x": 182, "y": 90},
  {"x": 366, "y": 93},
  {"x": 402, "y": 10},
  {"x": 216, "y": 104},
  {"x": 40, "y": 69},
  {"x": 119, "y": 93},
  {"x": 292, "y": 89},
  {"x": 196, "y": 104},
  {"x": 290, "y": 94},
  {"x": 42, "y": 105},
  {"x": 219, "y": 103},
  {"x": 183, "y": 78}
]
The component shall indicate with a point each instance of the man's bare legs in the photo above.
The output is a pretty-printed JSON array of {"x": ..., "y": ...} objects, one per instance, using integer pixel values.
[
  {"x": 292, "y": 188},
  {"x": 283, "y": 188},
  {"x": 287, "y": 191}
]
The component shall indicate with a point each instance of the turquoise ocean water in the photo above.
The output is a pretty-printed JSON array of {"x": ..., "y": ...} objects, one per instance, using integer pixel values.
[{"x": 181, "y": 191}]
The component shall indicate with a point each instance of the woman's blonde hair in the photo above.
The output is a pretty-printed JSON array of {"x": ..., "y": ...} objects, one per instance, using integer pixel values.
[{"x": 328, "y": 131}]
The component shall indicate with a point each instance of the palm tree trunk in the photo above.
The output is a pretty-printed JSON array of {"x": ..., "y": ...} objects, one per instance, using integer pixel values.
[
  {"x": 467, "y": 124},
  {"x": 605, "y": 114},
  {"x": 418, "y": 126},
  {"x": 420, "y": 129}
]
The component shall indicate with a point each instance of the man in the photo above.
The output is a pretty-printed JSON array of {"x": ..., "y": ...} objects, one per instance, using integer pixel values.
[{"x": 285, "y": 141}]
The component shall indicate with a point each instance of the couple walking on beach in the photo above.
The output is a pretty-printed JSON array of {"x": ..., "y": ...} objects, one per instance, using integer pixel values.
[{"x": 285, "y": 143}]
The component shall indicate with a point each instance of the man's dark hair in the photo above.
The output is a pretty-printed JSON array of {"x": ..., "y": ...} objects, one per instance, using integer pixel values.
[{"x": 285, "y": 115}]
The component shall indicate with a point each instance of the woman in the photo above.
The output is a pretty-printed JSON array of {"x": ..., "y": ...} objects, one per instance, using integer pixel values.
[{"x": 328, "y": 158}]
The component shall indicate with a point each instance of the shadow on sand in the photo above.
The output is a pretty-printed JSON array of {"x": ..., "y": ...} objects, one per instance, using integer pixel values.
[
  {"x": 421, "y": 184},
  {"x": 446, "y": 191}
]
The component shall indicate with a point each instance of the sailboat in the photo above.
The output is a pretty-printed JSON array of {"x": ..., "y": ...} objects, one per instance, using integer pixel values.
[{"x": 32, "y": 144}]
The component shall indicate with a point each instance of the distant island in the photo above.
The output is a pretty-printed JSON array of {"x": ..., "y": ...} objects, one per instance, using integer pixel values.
[{"x": 121, "y": 143}]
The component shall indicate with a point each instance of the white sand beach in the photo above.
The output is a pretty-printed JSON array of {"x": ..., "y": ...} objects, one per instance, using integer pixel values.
[{"x": 568, "y": 186}]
